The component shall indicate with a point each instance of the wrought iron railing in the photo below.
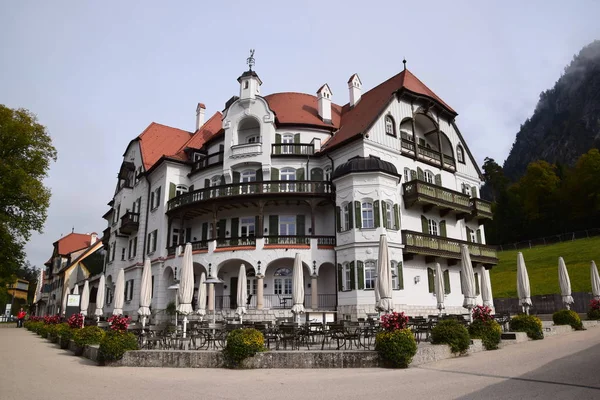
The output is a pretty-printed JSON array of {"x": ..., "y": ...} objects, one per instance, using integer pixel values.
[{"x": 281, "y": 239}]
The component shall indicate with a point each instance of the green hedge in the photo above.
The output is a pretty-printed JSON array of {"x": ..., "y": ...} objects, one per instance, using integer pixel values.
[
  {"x": 567, "y": 317},
  {"x": 88, "y": 335},
  {"x": 64, "y": 331},
  {"x": 529, "y": 324},
  {"x": 241, "y": 344},
  {"x": 593, "y": 314},
  {"x": 488, "y": 331},
  {"x": 396, "y": 348},
  {"x": 115, "y": 344},
  {"x": 453, "y": 333}
]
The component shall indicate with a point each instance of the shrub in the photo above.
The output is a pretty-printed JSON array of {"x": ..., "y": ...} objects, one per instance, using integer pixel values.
[
  {"x": 482, "y": 313},
  {"x": 34, "y": 326},
  {"x": 527, "y": 323},
  {"x": 394, "y": 321},
  {"x": 453, "y": 333},
  {"x": 594, "y": 311},
  {"x": 51, "y": 331},
  {"x": 241, "y": 344},
  {"x": 567, "y": 317},
  {"x": 119, "y": 323},
  {"x": 76, "y": 321},
  {"x": 114, "y": 344},
  {"x": 488, "y": 331},
  {"x": 396, "y": 348},
  {"x": 42, "y": 330},
  {"x": 88, "y": 335}
]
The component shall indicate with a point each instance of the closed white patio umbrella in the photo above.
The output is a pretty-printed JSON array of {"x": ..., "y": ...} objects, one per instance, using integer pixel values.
[
  {"x": 523, "y": 290},
  {"x": 186, "y": 286},
  {"x": 565, "y": 283},
  {"x": 439, "y": 288},
  {"x": 76, "y": 289},
  {"x": 85, "y": 298},
  {"x": 384, "y": 277},
  {"x": 468, "y": 280},
  {"x": 64, "y": 299},
  {"x": 119, "y": 293},
  {"x": 595, "y": 281},
  {"x": 242, "y": 293},
  {"x": 201, "y": 310},
  {"x": 297, "y": 287},
  {"x": 145, "y": 291},
  {"x": 100, "y": 298},
  {"x": 486, "y": 289}
]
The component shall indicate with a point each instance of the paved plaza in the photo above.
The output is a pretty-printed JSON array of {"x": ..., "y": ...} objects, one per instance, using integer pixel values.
[{"x": 560, "y": 367}]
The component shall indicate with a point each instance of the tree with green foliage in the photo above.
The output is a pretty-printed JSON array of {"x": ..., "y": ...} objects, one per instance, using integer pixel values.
[{"x": 25, "y": 156}]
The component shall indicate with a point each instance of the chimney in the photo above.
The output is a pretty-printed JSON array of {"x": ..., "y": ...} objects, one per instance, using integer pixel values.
[
  {"x": 324, "y": 103},
  {"x": 93, "y": 238},
  {"x": 355, "y": 87},
  {"x": 200, "y": 115}
]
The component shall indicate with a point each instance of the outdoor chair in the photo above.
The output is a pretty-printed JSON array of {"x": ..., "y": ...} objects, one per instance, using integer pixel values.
[
  {"x": 288, "y": 333},
  {"x": 269, "y": 334},
  {"x": 334, "y": 332}
]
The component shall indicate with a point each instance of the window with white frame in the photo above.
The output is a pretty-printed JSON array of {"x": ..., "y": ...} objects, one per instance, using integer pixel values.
[
  {"x": 388, "y": 210},
  {"x": 198, "y": 157},
  {"x": 346, "y": 276},
  {"x": 390, "y": 129},
  {"x": 473, "y": 235},
  {"x": 395, "y": 276},
  {"x": 155, "y": 198},
  {"x": 287, "y": 174},
  {"x": 429, "y": 176},
  {"x": 282, "y": 282},
  {"x": 253, "y": 139},
  {"x": 109, "y": 296},
  {"x": 129, "y": 290},
  {"x": 138, "y": 174},
  {"x": 247, "y": 226},
  {"x": 152, "y": 236},
  {"x": 407, "y": 177},
  {"x": 113, "y": 249},
  {"x": 346, "y": 223},
  {"x": 370, "y": 275},
  {"x": 123, "y": 251},
  {"x": 432, "y": 225},
  {"x": 327, "y": 173},
  {"x": 368, "y": 220},
  {"x": 116, "y": 213},
  {"x": 460, "y": 154},
  {"x": 132, "y": 247},
  {"x": 180, "y": 189},
  {"x": 289, "y": 140},
  {"x": 465, "y": 188},
  {"x": 247, "y": 176},
  {"x": 287, "y": 225},
  {"x": 251, "y": 283},
  {"x": 175, "y": 237}
]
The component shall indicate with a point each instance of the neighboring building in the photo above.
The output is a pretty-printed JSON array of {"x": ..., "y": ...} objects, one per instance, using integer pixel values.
[
  {"x": 287, "y": 173},
  {"x": 18, "y": 289},
  {"x": 72, "y": 258}
]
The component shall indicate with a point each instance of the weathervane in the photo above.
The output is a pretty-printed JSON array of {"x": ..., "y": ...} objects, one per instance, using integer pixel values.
[{"x": 250, "y": 60}]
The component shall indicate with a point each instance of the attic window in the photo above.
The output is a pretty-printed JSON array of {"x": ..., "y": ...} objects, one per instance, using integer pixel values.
[
  {"x": 460, "y": 155},
  {"x": 245, "y": 84},
  {"x": 390, "y": 128}
]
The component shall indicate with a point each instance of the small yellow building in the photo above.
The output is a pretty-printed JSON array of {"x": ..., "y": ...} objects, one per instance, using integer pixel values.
[{"x": 18, "y": 289}]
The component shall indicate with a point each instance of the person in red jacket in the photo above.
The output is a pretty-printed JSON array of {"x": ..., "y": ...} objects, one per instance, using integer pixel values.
[{"x": 20, "y": 317}]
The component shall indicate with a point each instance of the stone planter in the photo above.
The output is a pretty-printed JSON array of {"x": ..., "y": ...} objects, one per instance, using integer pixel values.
[
  {"x": 64, "y": 343},
  {"x": 53, "y": 338},
  {"x": 78, "y": 350}
]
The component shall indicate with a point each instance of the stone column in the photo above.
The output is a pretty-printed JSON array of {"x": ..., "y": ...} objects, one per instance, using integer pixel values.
[
  {"x": 260, "y": 302},
  {"x": 314, "y": 293}
]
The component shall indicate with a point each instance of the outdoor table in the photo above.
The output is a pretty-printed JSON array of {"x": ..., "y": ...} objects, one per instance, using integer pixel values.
[{"x": 212, "y": 334}]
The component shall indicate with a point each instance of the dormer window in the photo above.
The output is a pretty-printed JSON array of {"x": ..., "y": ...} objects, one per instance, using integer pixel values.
[{"x": 390, "y": 128}]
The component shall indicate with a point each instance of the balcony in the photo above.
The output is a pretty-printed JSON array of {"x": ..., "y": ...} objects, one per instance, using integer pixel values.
[
  {"x": 130, "y": 222},
  {"x": 249, "y": 190},
  {"x": 426, "y": 154},
  {"x": 437, "y": 246},
  {"x": 428, "y": 195},
  {"x": 246, "y": 150},
  {"x": 481, "y": 210},
  {"x": 106, "y": 236},
  {"x": 208, "y": 161},
  {"x": 249, "y": 241},
  {"x": 275, "y": 241},
  {"x": 292, "y": 149},
  {"x": 198, "y": 245}
]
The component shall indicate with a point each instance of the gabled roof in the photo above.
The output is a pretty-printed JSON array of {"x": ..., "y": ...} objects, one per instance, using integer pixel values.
[
  {"x": 72, "y": 242},
  {"x": 158, "y": 140},
  {"x": 301, "y": 109},
  {"x": 356, "y": 120}
]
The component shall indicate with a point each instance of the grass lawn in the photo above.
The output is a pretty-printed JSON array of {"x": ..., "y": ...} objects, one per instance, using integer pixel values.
[{"x": 542, "y": 267}]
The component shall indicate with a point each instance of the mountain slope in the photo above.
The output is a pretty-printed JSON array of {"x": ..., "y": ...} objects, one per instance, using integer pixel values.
[{"x": 566, "y": 121}]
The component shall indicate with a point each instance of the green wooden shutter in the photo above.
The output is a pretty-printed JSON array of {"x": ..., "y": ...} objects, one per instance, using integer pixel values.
[
  {"x": 438, "y": 179},
  {"x": 297, "y": 149},
  {"x": 191, "y": 189},
  {"x": 221, "y": 228},
  {"x": 400, "y": 276},
  {"x": 207, "y": 183},
  {"x": 430, "y": 280},
  {"x": 257, "y": 229},
  {"x": 188, "y": 235},
  {"x": 157, "y": 197},
  {"x": 357, "y": 214},
  {"x": 443, "y": 229},
  {"x": 205, "y": 231},
  {"x": 172, "y": 189},
  {"x": 461, "y": 282},
  {"x": 352, "y": 276},
  {"x": 300, "y": 225},
  {"x": 479, "y": 236},
  {"x": 300, "y": 174},
  {"x": 236, "y": 179},
  {"x": 473, "y": 191},
  {"x": 340, "y": 276},
  {"x": 447, "y": 288},
  {"x": 273, "y": 225},
  {"x": 338, "y": 211},
  {"x": 468, "y": 234},
  {"x": 277, "y": 141},
  {"x": 235, "y": 227},
  {"x": 259, "y": 175},
  {"x": 274, "y": 177},
  {"x": 384, "y": 221},
  {"x": 350, "y": 216},
  {"x": 316, "y": 174},
  {"x": 376, "y": 212},
  {"x": 420, "y": 174},
  {"x": 396, "y": 217},
  {"x": 424, "y": 224},
  {"x": 477, "y": 292},
  {"x": 360, "y": 266},
  {"x": 413, "y": 175}
]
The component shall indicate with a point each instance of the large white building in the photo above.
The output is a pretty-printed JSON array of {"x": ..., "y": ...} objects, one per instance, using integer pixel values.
[{"x": 287, "y": 173}]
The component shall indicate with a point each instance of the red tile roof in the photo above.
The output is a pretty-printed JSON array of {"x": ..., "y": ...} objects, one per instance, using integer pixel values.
[
  {"x": 73, "y": 242},
  {"x": 301, "y": 109},
  {"x": 206, "y": 132},
  {"x": 159, "y": 140},
  {"x": 358, "y": 119}
]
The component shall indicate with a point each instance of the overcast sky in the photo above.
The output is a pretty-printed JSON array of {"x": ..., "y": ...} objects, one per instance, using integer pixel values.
[{"x": 97, "y": 74}]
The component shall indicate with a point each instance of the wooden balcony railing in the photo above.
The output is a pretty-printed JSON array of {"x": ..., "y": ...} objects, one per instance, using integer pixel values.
[
  {"x": 280, "y": 188},
  {"x": 481, "y": 209},
  {"x": 197, "y": 245},
  {"x": 420, "y": 192},
  {"x": 292, "y": 149},
  {"x": 208, "y": 161},
  {"x": 280, "y": 239},
  {"x": 130, "y": 222},
  {"x": 438, "y": 246},
  {"x": 428, "y": 154},
  {"x": 239, "y": 241},
  {"x": 449, "y": 161}
]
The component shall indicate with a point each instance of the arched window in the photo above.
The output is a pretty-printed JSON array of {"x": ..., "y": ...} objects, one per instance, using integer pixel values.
[
  {"x": 460, "y": 154},
  {"x": 429, "y": 176},
  {"x": 347, "y": 272},
  {"x": 370, "y": 272},
  {"x": 389, "y": 219},
  {"x": 432, "y": 226},
  {"x": 181, "y": 189},
  {"x": 248, "y": 128},
  {"x": 215, "y": 180},
  {"x": 251, "y": 282},
  {"x": 390, "y": 126},
  {"x": 346, "y": 216},
  {"x": 282, "y": 283},
  {"x": 368, "y": 219},
  {"x": 327, "y": 173},
  {"x": 289, "y": 140},
  {"x": 287, "y": 174}
]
